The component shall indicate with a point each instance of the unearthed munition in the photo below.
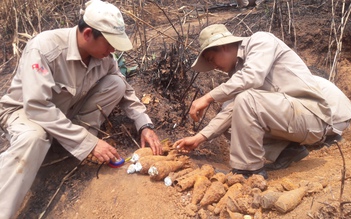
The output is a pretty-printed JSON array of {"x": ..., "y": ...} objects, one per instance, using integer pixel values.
[
  {"x": 233, "y": 179},
  {"x": 141, "y": 152},
  {"x": 233, "y": 192},
  {"x": 268, "y": 199},
  {"x": 218, "y": 177},
  {"x": 288, "y": 184},
  {"x": 200, "y": 187},
  {"x": 289, "y": 200},
  {"x": 147, "y": 151},
  {"x": 242, "y": 204},
  {"x": 257, "y": 181},
  {"x": 175, "y": 175},
  {"x": 180, "y": 173},
  {"x": 188, "y": 180},
  {"x": 159, "y": 170},
  {"x": 144, "y": 163},
  {"x": 213, "y": 194}
]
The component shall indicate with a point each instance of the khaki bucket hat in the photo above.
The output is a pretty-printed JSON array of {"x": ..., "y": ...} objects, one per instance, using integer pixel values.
[{"x": 213, "y": 35}]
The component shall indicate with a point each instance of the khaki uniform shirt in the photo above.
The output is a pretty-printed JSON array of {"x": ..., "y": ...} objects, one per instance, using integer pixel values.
[
  {"x": 266, "y": 63},
  {"x": 51, "y": 78}
]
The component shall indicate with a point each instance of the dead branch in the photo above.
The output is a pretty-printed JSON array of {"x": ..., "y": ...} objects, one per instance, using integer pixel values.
[
  {"x": 130, "y": 136},
  {"x": 293, "y": 24},
  {"x": 149, "y": 25},
  {"x": 158, "y": 34},
  {"x": 289, "y": 23},
  {"x": 190, "y": 84},
  {"x": 56, "y": 161},
  {"x": 343, "y": 175},
  {"x": 106, "y": 118},
  {"x": 107, "y": 135},
  {"x": 272, "y": 18},
  {"x": 169, "y": 20},
  {"x": 338, "y": 38},
  {"x": 202, "y": 119},
  {"x": 143, "y": 38},
  {"x": 186, "y": 113},
  {"x": 281, "y": 22},
  {"x": 15, "y": 48},
  {"x": 5, "y": 63}
]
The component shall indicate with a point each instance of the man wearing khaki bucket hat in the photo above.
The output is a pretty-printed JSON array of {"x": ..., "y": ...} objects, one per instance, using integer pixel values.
[
  {"x": 273, "y": 105},
  {"x": 62, "y": 77}
]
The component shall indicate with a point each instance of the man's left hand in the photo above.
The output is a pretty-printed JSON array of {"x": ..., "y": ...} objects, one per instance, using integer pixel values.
[{"x": 150, "y": 137}]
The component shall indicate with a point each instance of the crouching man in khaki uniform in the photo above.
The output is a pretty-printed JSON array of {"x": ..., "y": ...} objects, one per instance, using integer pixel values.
[
  {"x": 273, "y": 104},
  {"x": 62, "y": 76}
]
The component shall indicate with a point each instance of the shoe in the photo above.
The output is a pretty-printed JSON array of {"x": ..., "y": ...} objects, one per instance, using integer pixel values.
[
  {"x": 332, "y": 139},
  {"x": 328, "y": 142},
  {"x": 294, "y": 152},
  {"x": 248, "y": 173}
]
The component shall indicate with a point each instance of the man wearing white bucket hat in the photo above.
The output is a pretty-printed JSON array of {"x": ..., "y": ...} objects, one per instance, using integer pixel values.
[
  {"x": 62, "y": 76},
  {"x": 273, "y": 106}
]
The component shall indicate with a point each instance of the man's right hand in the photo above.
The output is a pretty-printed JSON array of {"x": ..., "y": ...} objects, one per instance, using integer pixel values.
[
  {"x": 198, "y": 106},
  {"x": 189, "y": 143},
  {"x": 104, "y": 152}
]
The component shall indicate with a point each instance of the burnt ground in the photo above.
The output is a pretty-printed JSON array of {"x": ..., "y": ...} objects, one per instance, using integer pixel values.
[{"x": 88, "y": 190}]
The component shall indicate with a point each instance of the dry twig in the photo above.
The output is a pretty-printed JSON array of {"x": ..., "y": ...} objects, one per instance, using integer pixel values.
[
  {"x": 273, "y": 13},
  {"x": 56, "y": 161},
  {"x": 149, "y": 25},
  {"x": 338, "y": 34},
  {"x": 281, "y": 23},
  {"x": 107, "y": 135},
  {"x": 130, "y": 136},
  {"x": 343, "y": 176}
]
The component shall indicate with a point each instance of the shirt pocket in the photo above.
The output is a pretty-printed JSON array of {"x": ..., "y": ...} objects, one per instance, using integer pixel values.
[
  {"x": 62, "y": 88},
  {"x": 63, "y": 96}
]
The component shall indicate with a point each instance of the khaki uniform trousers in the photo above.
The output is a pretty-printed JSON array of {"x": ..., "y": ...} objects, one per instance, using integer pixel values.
[
  {"x": 29, "y": 143},
  {"x": 263, "y": 123}
]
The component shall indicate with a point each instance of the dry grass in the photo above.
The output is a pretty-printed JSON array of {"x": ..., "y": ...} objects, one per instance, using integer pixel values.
[{"x": 23, "y": 19}]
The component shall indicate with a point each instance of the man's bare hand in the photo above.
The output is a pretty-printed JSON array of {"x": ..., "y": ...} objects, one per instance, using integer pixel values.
[
  {"x": 150, "y": 137},
  {"x": 189, "y": 143},
  {"x": 104, "y": 152},
  {"x": 198, "y": 106}
]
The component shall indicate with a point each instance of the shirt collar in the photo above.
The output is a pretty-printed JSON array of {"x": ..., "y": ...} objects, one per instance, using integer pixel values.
[
  {"x": 240, "y": 55},
  {"x": 241, "y": 48},
  {"x": 73, "y": 52}
]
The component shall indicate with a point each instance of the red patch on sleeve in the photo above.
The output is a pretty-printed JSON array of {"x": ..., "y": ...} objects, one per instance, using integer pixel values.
[
  {"x": 41, "y": 70},
  {"x": 35, "y": 66}
]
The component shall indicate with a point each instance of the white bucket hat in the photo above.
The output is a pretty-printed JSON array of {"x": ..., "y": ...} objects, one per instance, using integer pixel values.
[
  {"x": 213, "y": 35},
  {"x": 107, "y": 19}
]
